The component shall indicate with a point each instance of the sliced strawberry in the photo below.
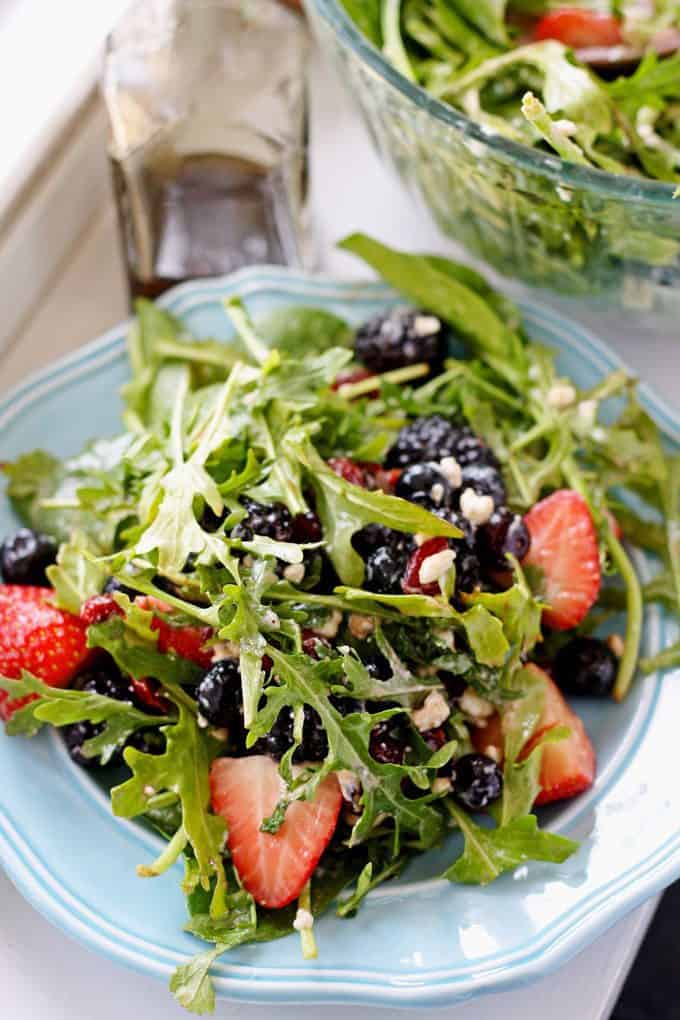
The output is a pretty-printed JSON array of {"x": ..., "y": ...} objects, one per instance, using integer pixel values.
[
  {"x": 188, "y": 641},
  {"x": 146, "y": 692},
  {"x": 568, "y": 765},
  {"x": 273, "y": 867},
  {"x": 580, "y": 29},
  {"x": 412, "y": 583},
  {"x": 37, "y": 637},
  {"x": 99, "y": 608},
  {"x": 564, "y": 546}
]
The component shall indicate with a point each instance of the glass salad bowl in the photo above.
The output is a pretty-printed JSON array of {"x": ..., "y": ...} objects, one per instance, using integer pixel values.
[{"x": 530, "y": 215}]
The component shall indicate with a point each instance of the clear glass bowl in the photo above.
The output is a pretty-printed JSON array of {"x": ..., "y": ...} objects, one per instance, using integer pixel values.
[{"x": 530, "y": 215}]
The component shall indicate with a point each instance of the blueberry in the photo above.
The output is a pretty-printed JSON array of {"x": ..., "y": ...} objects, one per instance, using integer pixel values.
[
  {"x": 403, "y": 336},
  {"x": 74, "y": 736},
  {"x": 423, "y": 439},
  {"x": 377, "y": 665},
  {"x": 586, "y": 665},
  {"x": 504, "y": 532},
  {"x": 372, "y": 537},
  {"x": 314, "y": 746},
  {"x": 108, "y": 682},
  {"x": 424, "y": 484},
  {"x": 272, "y": 521},
  {"x": 385, "y": 569},
  {"x": 25, "y": 555},
  {"x": 477, "y": 780},
  {"x": 219, "y": 693},
  {"x": 486, "y": 480}
]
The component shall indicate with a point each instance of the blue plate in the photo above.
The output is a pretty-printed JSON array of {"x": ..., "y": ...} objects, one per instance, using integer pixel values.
[{"x": 419, "y": 941}]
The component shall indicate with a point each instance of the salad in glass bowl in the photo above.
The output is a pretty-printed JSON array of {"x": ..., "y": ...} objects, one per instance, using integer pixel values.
[{"x": 320, "y": 602}]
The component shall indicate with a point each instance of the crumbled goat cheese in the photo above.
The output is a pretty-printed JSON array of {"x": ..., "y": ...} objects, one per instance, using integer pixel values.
[
  {"x": 437, "y": 492},
  {"x": 587, "y": 412},
  {"x": 441, "y": 785},
  {"x": 451, "y": 470},
  {"x": 561, "y": 395},
  {"x": 479, "y": 709},
  {"x": 294, "y": 572},
  {"x": 303, "y": 920},
  {"x": 616, "y": 645},
  {"x": 433, "y": 712},
  {"x": 149, "y": 790},
  {"x": 598, "y": 434},
  {"x": 419, "y": 538},
  {"x": 331, "y": 626},
  {"x": 203, "y": 723},
  {"x": 270, "y": 619},
  {"x": 449, "y": 639},
  {"x": 360, "y": 626},
  {"x": 566, "y": 194},
  {"x": 226, "y": 650},
  {"x": 477, "y": 508},
  {"x": 434, "y": 567},
  {"x": 566, "y": 128},
  {"x": 493, "y": 752},
  {"x": 426, "y": 325}
]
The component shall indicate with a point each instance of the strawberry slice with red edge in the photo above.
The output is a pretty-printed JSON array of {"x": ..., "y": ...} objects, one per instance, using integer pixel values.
[
  {"x": 579, "y": 29},
  {"x": 273, "y": 867},
  {"x": 564, "y": 546},
  {"x": 37, "y": 637},
  {"x": 568, "y": 765},
  {"x": 187, "y": 640}
]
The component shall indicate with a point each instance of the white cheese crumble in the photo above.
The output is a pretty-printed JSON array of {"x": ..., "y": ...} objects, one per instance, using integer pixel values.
[
  {"x": 331, "y": 626},
  {"x": 477, "y": 508},
  {"x": 426, "y": 325},
  {"x": 149, "y": 790},
  {"x": 451, "y": 470},
  {"x": 477, "y": 708},
  {"x": 303, "y": 920},
  {"x": 437, "y": 492},
  {"x": 561, "y": 395},
  {"x": 270, "y": 619},
  {"x": 294, "y": 572},
  {"x": 494, "y": 753},
  {"x": 442, "y": 785},
  {"x": 203, "y": 723},
  {"x": 616, "y": 645},
  {"x": 419, "y": 538},
  {"x": 432, "y": 713},
  {"x": 434, "y": 567},
  {"x": 587, "y": 412},
  {"x": 599, "y": 434},
  {"x": 225, "y": 650},
  {"x": 360, "y": 625},
  {"x": 565, "y": 127}
]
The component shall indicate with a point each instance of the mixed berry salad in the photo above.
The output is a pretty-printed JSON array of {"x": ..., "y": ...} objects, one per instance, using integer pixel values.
[{"x": 320, "y": 603}]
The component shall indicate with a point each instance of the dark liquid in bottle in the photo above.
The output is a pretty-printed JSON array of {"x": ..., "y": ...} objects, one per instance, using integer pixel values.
[{"x": 201, "y": 215}]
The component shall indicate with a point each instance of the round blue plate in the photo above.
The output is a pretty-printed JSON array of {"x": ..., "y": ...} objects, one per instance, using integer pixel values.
[{"x": 419, "y": 941}]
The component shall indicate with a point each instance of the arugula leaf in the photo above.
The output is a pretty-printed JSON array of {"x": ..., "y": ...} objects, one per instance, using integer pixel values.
[
  {"x": 345, "y": 508},
  {"x": 490, "y": 852},
  {"x": 138, "y": 658},
  {"x": 303, "y": 330},
  {"x": 192, "y": 985},
  {"x": 76, "y": 575}
]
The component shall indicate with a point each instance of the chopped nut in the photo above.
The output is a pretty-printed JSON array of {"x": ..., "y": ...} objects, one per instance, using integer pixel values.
[
  {"x": 330, "y": 627},
  {"x": 477, "y": 708},
  {"x": 442, "y": 785},
  {"x": 360, "y": 625},
  {"x": 225, "y": 650},
  {"x": 561, "y": 395},
  {"x": 437, "y": 492},
  {"x": 434, "y": 567},
  {"x": 294, "y": 572},
  {"x": 616, "y": 645},
  {"x": 494, "y": 753},
  {"x": 475, "y": 507},
  {"x": 432, "y": 713}
]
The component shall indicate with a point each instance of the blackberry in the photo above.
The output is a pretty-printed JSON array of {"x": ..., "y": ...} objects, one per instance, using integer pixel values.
[
  {"x": 477, "y": 780},
  {"x": 377, "y": 666},
  {"x": 424, "y": 484},
  {"x": 403, "y": 336},
  {"x": 108, "y": 682},
  {"x": 25, "y": 555},
  {"x": 385, "y": 569},
  {"x": 471, "y": 449},
  {"x": 219, "y": 694},
  {"x": 344, "y": 705},
  {"x": 423, "y": 439},
  {"x": 307, "y": 527},
  {"x": 314, "y": 746},
  {"x": 273, "y": 521},
  {"x": 388, "y": 742},
  {"x": 112, "y": 585},
  {"x": 467, "y": 560},
  {"x": 503, "y": 533},
  {"x": 74, "y": 736},
  {"x": 486, "y": 480},
  {"x": 586, "y": 665}
]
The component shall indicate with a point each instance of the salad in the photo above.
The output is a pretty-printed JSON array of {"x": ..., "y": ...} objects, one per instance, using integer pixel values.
[
  {"x": 320, "y": 602},
  {"x": 596, "y": 83}
]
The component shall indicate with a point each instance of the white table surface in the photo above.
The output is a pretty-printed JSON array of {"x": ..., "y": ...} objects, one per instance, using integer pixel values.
[{"x": 46, "y": 976}]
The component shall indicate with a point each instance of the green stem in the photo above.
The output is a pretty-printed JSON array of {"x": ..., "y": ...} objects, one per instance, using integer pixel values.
[
  {"x": 398, "y": 375},
  {"x": 534, "y": 433},
  {"x": 309, "y": 950},
  {"x": 242, "y": 324},
  {"x": 667, "y": 659},
  {"x": 165, "y": 859},
  {"x": 634, "y": 611}
]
